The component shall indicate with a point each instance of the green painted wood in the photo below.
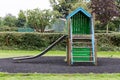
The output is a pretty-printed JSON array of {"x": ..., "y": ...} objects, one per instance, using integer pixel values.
[
  {"x": 80, "y": 24},
  {"x": 85, "y": 52}
]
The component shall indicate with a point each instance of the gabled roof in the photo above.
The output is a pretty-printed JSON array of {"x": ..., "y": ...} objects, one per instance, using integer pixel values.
[{"x": 77, "y": 10}]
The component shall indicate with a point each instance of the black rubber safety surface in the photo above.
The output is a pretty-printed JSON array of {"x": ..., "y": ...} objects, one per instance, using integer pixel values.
[{"x": 58, "y": 65}]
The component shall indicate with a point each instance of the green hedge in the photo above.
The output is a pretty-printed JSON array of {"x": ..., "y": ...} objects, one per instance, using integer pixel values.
[
  {"x": 103, "y": 31},
  {"x": 38, "y": 41},
  {"x": 29, "y": 41},
  {"x": 6, "y": 28},
  {"x": 108, "y": 42}
]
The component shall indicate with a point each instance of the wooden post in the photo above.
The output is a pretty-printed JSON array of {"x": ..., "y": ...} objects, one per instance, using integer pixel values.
[
  {"x": 69, "y": 52},
  {"x": 95, "y": 55},
  {"x": 96, "y": 52},
  {"x": 91, "y": 56},
  {"x": 67, "y": 56},
  {"x": 68, "y": 45}
]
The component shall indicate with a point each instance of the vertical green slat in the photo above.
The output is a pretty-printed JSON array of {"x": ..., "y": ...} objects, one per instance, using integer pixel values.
[
  {"x": 89, "y": 25},
  {"x": 76, "y": 23},
  {"x": 73, "y": 25},
  {"x": 79, "y": 23},
  {"x": 86, "y": 25},
  {"x": 83, "y": 24}
]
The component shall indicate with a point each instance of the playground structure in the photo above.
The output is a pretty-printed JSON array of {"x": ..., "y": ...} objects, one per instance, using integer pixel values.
[{"x": 80, "y": 39}]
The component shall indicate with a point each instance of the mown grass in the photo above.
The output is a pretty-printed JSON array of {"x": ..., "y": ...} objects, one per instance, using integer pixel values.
[
  {"x": 35, "y": 76},
  {"x": 16, "y": 53},
  {"x": 109, "y": 54}
]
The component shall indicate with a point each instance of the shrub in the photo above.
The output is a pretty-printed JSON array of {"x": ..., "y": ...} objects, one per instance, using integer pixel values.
[
  {"x": 30, "y": 41},
  {"x": 103, "y": 31},
  {"x": 108, "y": 42},
  {"x": 6, "y": 28}
]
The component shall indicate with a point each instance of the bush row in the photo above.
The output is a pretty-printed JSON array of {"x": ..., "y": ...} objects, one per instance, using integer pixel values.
[
  {"x": 33, "y": 41},
  {"x": 108, "y": 42},
  {"x": 6, "y": 28},
  {"x": 28, "y": 41},
  {"x": 103, "y": 31}
]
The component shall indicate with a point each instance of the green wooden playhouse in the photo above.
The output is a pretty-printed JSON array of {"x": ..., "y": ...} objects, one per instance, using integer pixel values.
[{"x": 81, "y": 41}]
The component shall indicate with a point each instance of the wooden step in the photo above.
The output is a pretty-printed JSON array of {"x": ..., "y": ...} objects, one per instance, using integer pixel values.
[
  {"x": 81, "y": 40},
  {"x": 82, "y": 51},
  {"x": 82, "y": 43},
  {"x": 81, "y": 47},
  {"x": 82, "y": 61},
  {"x": 81, "y": 37},
  {"x": 83, "y": 56}
]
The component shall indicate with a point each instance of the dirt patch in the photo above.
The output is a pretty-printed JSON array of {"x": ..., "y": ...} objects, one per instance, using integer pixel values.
[{"x": 58, "y": 65}]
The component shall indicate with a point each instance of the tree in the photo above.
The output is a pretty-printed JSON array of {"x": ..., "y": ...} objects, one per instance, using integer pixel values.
[
  {"x": 21, "y": 19},
  {"x": 105, "y": 11},
  {"x": 81, "y": 3},
  {"x": 61, "y": 6},
  {"x": 117, "y": 24},
  {"x": 64, "y": 7},
  {"x": 39, "y": 19},
  {"x": 10, "y": 20},
  {"x": 1, "y": 21},
  {"x": 118, "y": 4},
  {"x": 117, "y": 20}
]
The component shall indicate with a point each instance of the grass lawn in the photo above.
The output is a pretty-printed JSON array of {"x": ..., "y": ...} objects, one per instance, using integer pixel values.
[
  {"x": 35, "y": 76},
  {"x": 16, "y": 53},
  {"x": 39, "y": 76}
]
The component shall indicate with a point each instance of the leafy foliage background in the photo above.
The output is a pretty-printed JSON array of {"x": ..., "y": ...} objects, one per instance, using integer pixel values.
[{"x": 39, "y": 41}]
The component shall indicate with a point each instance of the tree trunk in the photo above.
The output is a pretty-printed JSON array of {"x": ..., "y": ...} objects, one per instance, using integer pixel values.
[
  {"x": 119, "y": 28},
  {"x": 107, "y": 27},
  {"x": 42, "y": 29},
  {"x": 37, "y": 30},
  {"x": 7, "y": 40}
]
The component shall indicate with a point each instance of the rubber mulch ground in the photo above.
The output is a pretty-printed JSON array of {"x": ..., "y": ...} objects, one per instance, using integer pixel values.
[{"x": 58, "y": 65}]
